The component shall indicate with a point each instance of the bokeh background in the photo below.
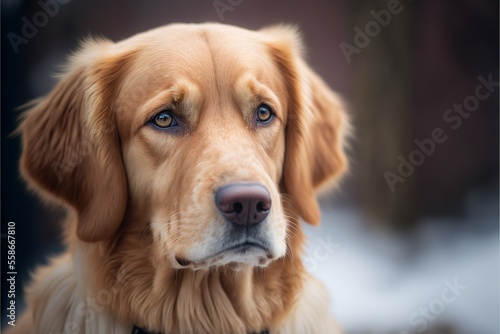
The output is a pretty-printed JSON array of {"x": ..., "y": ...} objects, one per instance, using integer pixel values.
[{"x": 384, "y": 253}]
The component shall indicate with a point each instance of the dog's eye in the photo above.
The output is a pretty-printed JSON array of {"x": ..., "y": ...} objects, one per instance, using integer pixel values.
[
  {"x": 164, "y": 120},
  {"x": 264, "y": 114}
]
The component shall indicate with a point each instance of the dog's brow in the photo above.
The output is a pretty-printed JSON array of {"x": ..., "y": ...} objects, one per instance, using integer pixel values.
[
  {"x": 249, "y": 92},
  {"x": 183, "y": 94},
  {"x": 190, "y": 97}
]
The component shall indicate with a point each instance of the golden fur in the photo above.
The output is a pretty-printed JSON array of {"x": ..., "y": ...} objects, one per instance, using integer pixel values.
[{"x": 138, "y": 199}]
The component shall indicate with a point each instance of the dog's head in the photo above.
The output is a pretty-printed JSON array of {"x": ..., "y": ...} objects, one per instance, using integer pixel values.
[{"x": 196, "y": 134}]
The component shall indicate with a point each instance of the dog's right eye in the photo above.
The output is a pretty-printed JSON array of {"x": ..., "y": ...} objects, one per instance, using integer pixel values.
[{"x": 164, "y": 120}]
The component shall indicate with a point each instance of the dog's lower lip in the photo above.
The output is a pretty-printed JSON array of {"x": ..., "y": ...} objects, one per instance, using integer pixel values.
[{"x": 244, "y": 245}]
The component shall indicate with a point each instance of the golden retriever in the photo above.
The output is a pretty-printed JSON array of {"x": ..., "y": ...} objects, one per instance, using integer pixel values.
[{"x": 186, "y": 156}]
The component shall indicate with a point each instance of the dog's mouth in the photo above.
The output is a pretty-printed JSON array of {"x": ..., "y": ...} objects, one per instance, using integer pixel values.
[
  {"x": 248, "y": 252},
  {"x": 244, "y": 247}
]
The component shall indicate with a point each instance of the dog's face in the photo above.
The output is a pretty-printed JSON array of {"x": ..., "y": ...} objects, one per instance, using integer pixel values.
[
  {"x": 204, "y": 145},
  {"x": 196, "y": 133}
]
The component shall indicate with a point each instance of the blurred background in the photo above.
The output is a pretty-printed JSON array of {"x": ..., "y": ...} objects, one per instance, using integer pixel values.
[{"x": 418, "y": 216}]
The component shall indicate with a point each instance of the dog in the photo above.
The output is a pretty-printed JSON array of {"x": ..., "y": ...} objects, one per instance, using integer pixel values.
[{"x": 186, "y": 157}]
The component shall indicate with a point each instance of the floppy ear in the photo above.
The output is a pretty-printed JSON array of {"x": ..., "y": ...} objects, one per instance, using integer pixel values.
[
  {"x": 316, "y": 126},
  {"x": 70, "y": 144}
]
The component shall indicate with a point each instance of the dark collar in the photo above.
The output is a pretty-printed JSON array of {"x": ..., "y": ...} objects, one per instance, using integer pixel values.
[{"x": 138, "y": 330}]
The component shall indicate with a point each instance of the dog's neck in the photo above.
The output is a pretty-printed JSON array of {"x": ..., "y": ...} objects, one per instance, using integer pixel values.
[{"x": 162, "y": 299}]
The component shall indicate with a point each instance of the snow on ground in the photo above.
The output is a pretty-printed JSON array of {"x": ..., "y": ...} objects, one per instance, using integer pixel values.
[{"x": 378, "y": 280}]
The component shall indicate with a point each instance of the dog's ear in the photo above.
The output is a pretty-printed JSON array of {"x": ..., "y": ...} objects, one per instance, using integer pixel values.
[
  {"x": 70, "y": 144},
  {"x": 316, "y": 125}
]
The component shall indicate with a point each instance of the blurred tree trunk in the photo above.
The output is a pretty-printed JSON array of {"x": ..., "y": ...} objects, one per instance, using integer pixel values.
[{"x": 382, "y": 106}]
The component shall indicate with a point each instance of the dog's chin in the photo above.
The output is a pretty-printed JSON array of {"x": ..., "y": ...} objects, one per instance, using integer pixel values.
[{"x": 236, "y": 258}]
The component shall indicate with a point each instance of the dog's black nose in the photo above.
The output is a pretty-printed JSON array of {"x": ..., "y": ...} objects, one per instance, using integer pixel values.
[{"x": 244, "y": 204}]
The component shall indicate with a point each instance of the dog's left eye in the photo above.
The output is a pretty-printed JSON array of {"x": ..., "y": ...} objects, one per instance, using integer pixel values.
[
  {"x": 164, "y": 120},
  {"x": 264, "y": 114}
]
